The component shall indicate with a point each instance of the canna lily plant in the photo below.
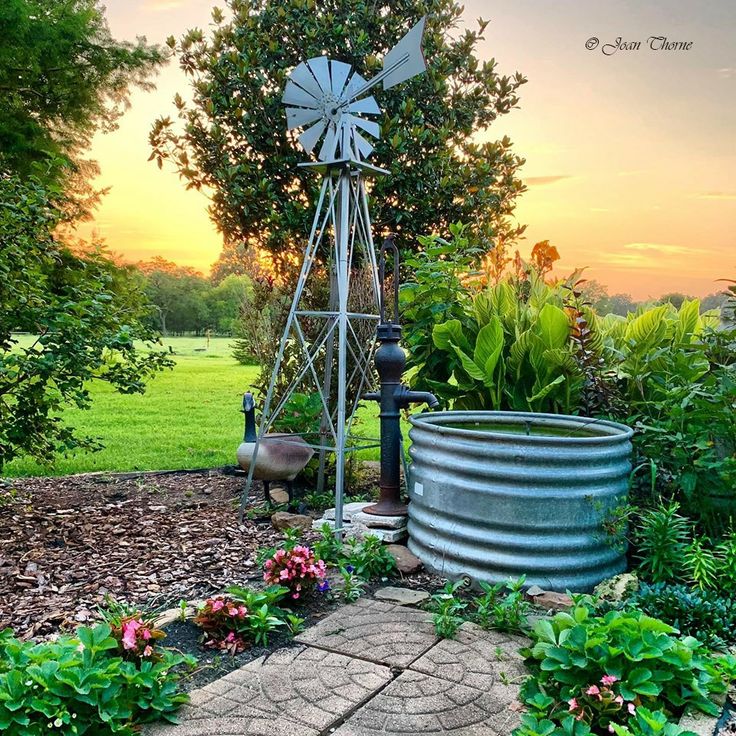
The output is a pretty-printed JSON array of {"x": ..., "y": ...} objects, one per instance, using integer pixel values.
[{"x": 517, "y": 354}]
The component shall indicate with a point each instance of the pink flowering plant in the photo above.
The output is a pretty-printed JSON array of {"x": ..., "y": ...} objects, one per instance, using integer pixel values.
[
  {"x": 134, "y": 630},
  {"x": 297, "y": 569},
  {"x": 600, "y": 703},
  {"x": 224, "y": 621}
]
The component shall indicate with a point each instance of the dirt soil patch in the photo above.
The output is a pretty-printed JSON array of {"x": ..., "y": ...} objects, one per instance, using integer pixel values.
[{"x": 150, "y": 539}]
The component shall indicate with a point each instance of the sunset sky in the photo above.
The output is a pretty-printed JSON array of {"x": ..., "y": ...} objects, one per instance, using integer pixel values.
[{"x": 631, "y": 155}]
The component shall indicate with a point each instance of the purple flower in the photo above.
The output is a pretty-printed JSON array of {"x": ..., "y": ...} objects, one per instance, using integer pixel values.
[
  {"x": 323, "y": 586},
  {"x": 350, "y": 569}
]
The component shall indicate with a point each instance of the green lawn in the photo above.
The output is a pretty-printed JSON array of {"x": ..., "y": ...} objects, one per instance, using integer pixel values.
[{"x": 188, "y": 418}]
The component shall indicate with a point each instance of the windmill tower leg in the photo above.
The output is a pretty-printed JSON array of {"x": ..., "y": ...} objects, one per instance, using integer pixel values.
[{"x": 342, "y": 238}]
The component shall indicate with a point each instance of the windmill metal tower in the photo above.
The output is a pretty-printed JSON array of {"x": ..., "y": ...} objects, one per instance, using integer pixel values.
[{"x": 335, "y": 345}]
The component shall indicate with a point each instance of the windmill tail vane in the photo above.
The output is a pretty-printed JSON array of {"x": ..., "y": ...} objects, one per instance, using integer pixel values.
[{"x": 327, "y": 100}]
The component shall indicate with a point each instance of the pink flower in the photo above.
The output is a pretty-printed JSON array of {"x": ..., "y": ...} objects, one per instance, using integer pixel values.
[
  {"x": 146, "y": 634},
  {"x": 218, "y": 605},
  {"x": 230, "y": 637},
  {"x": 619, "y": 700},
  {"x": 573, "y": 703},
  {"x": 243, "y": 611},
  {"x": 129, "y": 629},
  {"x": 593, "y": 690},
  {"x": 608, "y": 679},
  {"x": 148, "y": 651},
  {"x": 632, "y": 708}
]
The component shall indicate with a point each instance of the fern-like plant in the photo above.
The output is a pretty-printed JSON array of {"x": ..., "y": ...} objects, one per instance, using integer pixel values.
[
  {"x": 701, "y": 564},
  {"x": 726, "y": 553},
  {"x": 662, "y": 539}
]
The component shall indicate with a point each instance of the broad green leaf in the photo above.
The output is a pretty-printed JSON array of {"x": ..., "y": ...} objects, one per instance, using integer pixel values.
[
  {"x": 648, "y": 329},
  {"x": 468, "y": 364},
  {"x": 689, "y": 324},
  {"x": 450, "y": 332},
  {"x": 544, "y": 392},
  {"x": 488, "y": 348},
  {"x": 553, "y": 326}
]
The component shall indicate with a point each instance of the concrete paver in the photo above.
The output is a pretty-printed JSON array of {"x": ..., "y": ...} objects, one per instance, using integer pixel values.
[
  {"x": 369, "y": 669},
  {"x": 298, "y": 691},
  {"x": 476, "y": 658},
  {"x": 380, "y": 632},
  {"x": 417, "y": 703}
]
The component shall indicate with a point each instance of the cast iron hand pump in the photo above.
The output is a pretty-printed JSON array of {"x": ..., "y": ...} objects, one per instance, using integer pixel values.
[{"x": 393, "y": 396}]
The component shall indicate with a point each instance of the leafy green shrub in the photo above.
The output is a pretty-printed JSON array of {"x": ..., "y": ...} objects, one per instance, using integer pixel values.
[
  {"x": 708, "y": 617},
  {"x": 638, "y": 658},
  {"x": 447, "y": 610},
  {"x": 352, "y": 585},
  {"x": 79, "y": 685},
  {"x": 367, "y": 558},
  {"x": 502, "y": 612}
]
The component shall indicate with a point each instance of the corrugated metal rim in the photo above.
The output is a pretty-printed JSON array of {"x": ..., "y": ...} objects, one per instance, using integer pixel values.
[{"x": 610, "y": 432}]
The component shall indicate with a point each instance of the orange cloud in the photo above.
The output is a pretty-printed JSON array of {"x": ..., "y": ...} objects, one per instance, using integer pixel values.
[
  {"x": 536, "y": 181},
  {"x": 716, "y": 195}
]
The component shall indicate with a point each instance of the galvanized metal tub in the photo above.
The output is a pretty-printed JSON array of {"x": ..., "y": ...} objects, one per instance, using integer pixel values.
[{"x": 502, "y": 494}]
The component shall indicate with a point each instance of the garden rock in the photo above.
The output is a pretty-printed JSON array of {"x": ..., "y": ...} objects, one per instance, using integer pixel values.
[
  {"x": 549, "y": 599},
  {"x": 347, "y": 510},
  {"x": 279, "y": 496},
  {"x": 283, "y": 520},
  {"x": 618, "y": 588},
  {"x": 406, "y": 562},
  {"x": 401, "y": 596}
]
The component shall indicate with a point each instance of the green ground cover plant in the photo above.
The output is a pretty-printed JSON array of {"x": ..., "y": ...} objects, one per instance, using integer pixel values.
[
  {"x": 500, "y": 606},
  {"x": 623, "y": 669},
  {"x": 706, "y": 615},
  {"x": 80, "y": 685}
]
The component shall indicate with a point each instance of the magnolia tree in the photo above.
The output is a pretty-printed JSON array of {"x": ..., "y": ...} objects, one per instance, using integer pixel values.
[{"x": 231, "y": 140}]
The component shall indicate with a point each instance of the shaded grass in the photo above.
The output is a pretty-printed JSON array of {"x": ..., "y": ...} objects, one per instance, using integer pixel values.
[{"x": 188, "y": 418}]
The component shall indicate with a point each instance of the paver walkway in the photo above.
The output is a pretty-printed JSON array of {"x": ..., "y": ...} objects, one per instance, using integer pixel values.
[{"x": 369, "y": 668}]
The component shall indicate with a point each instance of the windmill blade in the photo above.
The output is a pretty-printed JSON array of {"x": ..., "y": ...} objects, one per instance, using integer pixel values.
[
  {"x": 405, "y": 60},
  {"x": 310, "y": 136},
  {"x": 328, "y": 145},
  {"x": 296, "y": 117},
  {"x": 368, "y": 126},
  {"x": 361, "y": 144},
  {"x": 366, "y": 106},
  {"x": 320, "y": 67},
  {"x": 339, "y": 71},
  {"x": 355, "y": 83},
  {"x": 295, "y": 95},
  {"x": 305, "y": 79}
]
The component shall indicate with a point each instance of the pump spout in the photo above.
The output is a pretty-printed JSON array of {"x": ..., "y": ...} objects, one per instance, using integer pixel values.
[{"x": 418, "y": 397}]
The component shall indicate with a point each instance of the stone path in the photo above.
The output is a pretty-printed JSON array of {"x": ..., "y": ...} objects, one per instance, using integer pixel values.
[{"x": 369, "y": 668}]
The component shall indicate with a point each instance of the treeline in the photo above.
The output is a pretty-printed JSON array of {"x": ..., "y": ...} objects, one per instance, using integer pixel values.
[{"x": 184, "y": 301}]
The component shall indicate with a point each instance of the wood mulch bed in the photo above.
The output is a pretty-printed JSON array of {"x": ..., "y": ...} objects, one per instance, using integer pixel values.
[{"x": 150, "y": 539}]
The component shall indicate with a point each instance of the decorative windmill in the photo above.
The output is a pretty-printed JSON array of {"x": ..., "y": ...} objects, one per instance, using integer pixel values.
[{"x": 328, "y": 100}]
